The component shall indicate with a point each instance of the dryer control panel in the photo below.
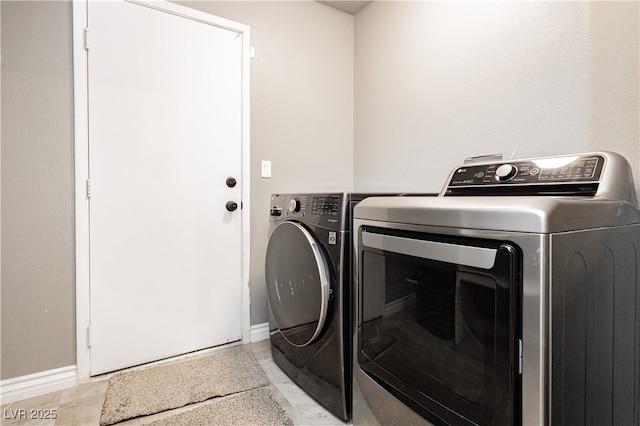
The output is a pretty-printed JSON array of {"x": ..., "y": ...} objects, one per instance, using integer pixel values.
[{"x": 563, "y": 175}]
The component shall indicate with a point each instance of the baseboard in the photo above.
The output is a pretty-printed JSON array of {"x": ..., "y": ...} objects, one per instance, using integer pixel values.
[
  {"x": 36, "y": 384},
  {"x": 259, "y": 332}
]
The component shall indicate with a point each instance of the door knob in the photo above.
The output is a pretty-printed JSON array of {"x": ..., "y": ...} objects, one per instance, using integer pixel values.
[
  {"x": 231, "y": 182},
  {"x": 231, "y": 205}
]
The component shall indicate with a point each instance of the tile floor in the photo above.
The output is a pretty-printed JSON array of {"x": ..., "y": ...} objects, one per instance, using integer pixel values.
[{"x": 81, "y": 405}]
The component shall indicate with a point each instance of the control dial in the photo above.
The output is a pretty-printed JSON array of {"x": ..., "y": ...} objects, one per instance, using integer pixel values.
[
  {"x": 506, "y": 172},
  {"x": 294, "y": 205}
]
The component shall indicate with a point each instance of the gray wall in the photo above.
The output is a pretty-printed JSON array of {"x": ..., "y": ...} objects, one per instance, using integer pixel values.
[
  {"x": 436, "y": 82},
  {"x": 38, "y": 284}
]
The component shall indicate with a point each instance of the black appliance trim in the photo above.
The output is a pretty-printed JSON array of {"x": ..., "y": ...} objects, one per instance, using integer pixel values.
[{"x": 419, "y": 402}]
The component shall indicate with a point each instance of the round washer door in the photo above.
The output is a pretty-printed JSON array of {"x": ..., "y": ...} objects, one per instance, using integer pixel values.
[{"x": 298, "y": 283}]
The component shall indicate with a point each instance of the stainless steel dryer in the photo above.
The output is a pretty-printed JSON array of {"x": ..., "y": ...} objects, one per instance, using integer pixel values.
[{"x": 512, "y": 298}]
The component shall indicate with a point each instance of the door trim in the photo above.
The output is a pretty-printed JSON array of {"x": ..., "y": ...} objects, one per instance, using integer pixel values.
[{"x": 81, "y": 155}]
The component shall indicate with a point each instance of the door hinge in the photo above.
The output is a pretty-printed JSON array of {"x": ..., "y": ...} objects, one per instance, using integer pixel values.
[
  {"x": 87, "y": 39},
  {"x": 89, "y": 336},
  {"x": 88, "y": 188}
]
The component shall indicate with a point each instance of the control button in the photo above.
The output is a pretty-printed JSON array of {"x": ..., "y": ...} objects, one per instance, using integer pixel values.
[
  {"x": 275, "y": 211},
  {"x": 506, "y": 172},
  {"x": 294, "y": 205}
]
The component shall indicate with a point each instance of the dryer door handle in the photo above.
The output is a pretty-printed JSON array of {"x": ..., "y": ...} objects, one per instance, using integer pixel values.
[{"x": 478, "y": 257}]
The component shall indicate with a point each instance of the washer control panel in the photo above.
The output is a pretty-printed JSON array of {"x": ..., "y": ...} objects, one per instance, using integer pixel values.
[
  {"x": 572, "y": 171},
  {"x": 324, "y": 209},
  {"x": 326, "y": 205}
]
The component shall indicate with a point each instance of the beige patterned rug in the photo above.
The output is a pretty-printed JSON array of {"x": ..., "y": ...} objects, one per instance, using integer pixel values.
[
  {"x": 253, "y": 407},
  {"x": 223, "y": 377}
]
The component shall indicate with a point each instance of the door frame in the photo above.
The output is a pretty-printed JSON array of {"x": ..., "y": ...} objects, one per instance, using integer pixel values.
[{"x": 81, "y": 169}]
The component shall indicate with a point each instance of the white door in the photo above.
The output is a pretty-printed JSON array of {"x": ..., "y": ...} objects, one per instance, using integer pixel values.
[{"x": 165, "y": 133}]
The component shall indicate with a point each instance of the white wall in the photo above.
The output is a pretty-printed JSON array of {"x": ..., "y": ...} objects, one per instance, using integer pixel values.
[{"x": 436, "y": 82}]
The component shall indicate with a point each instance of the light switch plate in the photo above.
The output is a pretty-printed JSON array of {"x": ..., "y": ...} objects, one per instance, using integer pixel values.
[{"x": 266, "y": 169}]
